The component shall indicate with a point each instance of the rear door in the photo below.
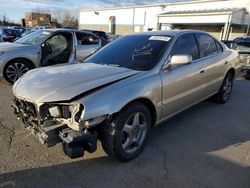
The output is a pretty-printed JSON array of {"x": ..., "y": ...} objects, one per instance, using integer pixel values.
[
  {"x": 181, "y": 84},
  {"x": 215, "y": 61},
  {"x": 87, "y": 44}
]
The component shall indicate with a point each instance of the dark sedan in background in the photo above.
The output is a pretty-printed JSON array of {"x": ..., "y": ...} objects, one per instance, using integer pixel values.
[
  {"x": 102, "y": 35},
  {"x": 242, "y": 46},
  {"x": 9, "y": 35}
]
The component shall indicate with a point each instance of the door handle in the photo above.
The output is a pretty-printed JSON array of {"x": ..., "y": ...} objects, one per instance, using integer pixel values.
[
  {"x": 226, "y": 62},
  {"x": 202, "y": 71}
]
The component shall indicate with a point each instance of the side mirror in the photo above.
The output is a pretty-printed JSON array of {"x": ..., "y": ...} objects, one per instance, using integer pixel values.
[{"x": 178, "y": 60}]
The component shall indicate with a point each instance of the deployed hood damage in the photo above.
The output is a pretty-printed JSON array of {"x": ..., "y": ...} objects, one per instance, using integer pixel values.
[{"x": 67, "y": 82}]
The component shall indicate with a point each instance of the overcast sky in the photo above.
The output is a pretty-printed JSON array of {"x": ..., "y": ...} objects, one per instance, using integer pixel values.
[{"x": 15, "y": 9}]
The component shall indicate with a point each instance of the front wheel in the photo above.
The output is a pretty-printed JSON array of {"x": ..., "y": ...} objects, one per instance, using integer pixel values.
[
  {"x": 126, "y": 135},
  {"x": 247, "y": 76},
  {"x": 226, "y": 89},
  {"x": 15, "y": 69}
]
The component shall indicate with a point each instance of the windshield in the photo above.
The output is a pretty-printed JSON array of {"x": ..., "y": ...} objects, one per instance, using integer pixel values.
[
  {"x": 138, "y": 52},
  {"x": 33, "y": 38}
]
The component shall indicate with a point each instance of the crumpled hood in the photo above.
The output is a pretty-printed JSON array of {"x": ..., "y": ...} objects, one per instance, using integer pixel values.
[
  {"x": 65, "y": 82},
  {"x": 7, "y": 46}
]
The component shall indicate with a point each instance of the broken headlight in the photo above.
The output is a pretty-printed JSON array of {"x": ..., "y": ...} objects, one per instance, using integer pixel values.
[
  {"x": 55, "y": 111},
  {"x": 60, "y": 111},
  {"x": 64, "y": 111}
]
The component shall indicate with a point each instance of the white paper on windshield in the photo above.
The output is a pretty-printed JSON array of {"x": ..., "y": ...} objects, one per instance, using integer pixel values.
[
  {"x": 160, "y": 38},
  {"x": 46, "y": 33}
]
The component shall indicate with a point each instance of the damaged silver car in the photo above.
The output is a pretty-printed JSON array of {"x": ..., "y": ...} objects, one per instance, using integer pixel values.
[{"x": 124, "y": 89}]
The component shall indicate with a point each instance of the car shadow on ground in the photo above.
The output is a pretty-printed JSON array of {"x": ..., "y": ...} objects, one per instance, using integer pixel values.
[{"x": 206, "y": 146}]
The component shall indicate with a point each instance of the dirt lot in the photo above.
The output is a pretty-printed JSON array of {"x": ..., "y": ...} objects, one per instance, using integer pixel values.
[{"x": 206, "y": 146}]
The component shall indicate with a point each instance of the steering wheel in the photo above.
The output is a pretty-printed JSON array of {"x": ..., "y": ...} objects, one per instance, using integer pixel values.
[{"x": 48, "y": 46}]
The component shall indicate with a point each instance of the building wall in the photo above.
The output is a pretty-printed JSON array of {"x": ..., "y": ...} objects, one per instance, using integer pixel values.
[
  {"x": 144, "y": 18},
  {"x": 127, "y": 19}
]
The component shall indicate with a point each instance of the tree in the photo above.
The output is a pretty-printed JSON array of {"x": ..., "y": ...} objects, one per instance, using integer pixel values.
[
  {"x": 69, "y": 20},
  {"x": 59, "y": 17},
  {"x": 5, "y": 21}
]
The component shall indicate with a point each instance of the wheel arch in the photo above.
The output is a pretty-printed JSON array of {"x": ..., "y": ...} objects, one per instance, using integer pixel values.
[
  {"x": 21, "y": 58},
  {"x": 148, "y": 103}
]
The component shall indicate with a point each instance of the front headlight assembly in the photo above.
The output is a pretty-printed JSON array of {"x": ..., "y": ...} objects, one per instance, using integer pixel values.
[{"x": 62, "y": 111}]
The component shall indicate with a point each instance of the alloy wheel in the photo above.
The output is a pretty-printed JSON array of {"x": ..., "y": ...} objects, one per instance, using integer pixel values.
[
  {"x": 134, "y": 132},
  {"x": 227, "y": 87},
  {"x": 16, "y": 70}
]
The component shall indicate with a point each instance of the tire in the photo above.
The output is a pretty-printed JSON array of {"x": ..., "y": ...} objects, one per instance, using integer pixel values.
[
  {"x": 15, "y": 69},
  {"x": 125, "y": 136},
  {"x": 225, "y": 90},
  {"x": 247, "y": 76}
]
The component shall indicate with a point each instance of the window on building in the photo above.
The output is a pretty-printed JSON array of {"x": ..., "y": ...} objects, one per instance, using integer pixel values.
[
  {"x": 207, "y": 45},
  {"x": 86, "y": 39},
  {"x": 187, "y": 45}
]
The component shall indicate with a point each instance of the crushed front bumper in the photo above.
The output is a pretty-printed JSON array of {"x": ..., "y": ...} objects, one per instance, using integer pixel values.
[{"x": 74, "y": 142}]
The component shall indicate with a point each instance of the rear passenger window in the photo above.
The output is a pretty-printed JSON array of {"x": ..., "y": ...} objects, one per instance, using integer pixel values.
[
  {"x": 219, "y": 47},
  {"x": 207, "y": 45},
  {"x": 187, "y": 45}
]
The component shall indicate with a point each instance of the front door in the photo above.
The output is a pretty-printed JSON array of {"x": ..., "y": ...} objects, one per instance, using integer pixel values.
[{"x": 181, "y": 84}]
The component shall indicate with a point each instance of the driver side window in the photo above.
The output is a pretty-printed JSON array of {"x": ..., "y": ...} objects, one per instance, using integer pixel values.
[{"x": 186, "y": 44}]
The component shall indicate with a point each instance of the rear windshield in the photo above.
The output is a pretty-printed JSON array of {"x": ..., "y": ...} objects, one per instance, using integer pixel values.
[{"x": 138, "y": 52}]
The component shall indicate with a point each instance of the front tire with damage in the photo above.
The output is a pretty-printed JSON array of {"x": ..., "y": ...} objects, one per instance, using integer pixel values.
[{"x": 125, "y": 136}]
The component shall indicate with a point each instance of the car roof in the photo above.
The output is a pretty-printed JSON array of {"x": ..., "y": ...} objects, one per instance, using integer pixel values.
[
  {"x": 65, "y": 29},
  {"x": 93, "y": 30},
  {"x": 244, "y": 37},
  {"x": 171, "y": 32}
]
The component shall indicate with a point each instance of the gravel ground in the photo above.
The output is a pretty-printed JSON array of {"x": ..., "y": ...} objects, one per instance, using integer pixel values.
[{"x": 206, "y": 146}]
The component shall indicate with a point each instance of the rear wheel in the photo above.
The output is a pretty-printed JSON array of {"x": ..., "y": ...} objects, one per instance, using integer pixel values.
[
  {"x": 126, "y": 135},
  {"x": 15, "y": 69},
  {"x": 226, "y": 89},
  {"x": 247, "y": 76}
]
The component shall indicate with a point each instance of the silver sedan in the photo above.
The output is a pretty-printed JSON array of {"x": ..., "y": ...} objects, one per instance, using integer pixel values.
[
  {"x": 45, "y": 48},
  {"x": 120, "y": 92}
]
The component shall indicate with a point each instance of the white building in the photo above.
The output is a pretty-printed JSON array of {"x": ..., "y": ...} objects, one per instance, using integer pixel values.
[{"x": 225, "y": 19}]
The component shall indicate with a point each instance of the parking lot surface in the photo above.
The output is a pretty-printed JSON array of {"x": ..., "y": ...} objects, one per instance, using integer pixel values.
[{"x": 206, "y": 146}]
